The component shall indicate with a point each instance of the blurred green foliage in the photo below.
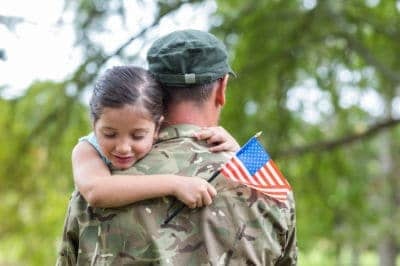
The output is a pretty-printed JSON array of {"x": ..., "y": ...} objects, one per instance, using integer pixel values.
[
  {"x": 40, "y": 129},
  {"x": 319, "y": 78}
]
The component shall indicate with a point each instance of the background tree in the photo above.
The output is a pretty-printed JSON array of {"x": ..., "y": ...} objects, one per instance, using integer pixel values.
[{"x": 319, "y": 78}]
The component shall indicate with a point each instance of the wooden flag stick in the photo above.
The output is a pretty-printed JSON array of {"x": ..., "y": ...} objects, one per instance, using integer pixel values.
[{"x": 177, "y": 211}]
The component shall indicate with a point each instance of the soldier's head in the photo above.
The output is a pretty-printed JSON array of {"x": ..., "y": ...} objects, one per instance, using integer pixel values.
[
  {"x": 190, "y": 65},
  {"x": 126, "y": 109}
]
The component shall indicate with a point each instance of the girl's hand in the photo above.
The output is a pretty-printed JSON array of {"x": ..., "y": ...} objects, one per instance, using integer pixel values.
[
  {"x": 194, "y": 192},
  {"x": 219, "y": 138}
]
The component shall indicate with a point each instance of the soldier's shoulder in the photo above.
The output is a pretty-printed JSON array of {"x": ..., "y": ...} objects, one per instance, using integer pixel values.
[{"x": 185, "y": 147}]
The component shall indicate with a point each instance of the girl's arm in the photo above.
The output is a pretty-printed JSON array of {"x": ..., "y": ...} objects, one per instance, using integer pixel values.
[
  {"x": 218, "y": 138},
  {"x": 94, "y": 181}
]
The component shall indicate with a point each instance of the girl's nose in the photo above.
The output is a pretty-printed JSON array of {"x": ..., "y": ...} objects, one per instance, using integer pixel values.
[{"x": 123, "y": 147}]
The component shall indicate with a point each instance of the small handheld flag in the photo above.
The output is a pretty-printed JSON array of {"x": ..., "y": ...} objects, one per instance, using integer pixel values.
[{"x": 253, "y": 167}]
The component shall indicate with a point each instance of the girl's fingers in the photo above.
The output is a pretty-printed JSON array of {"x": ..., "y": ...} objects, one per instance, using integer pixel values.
[
  {"x": 209, "y": 195},
  {"x": 220, "y": 147},
  {"x": 203, "y": 134},
  {"x": 215, "y": 138},
  {"x": 207, "y": 200},
  {"x": 199, "y": 202},
  {"x": 218, "y": 138},
  {"x": 225, "y": 146},
  {"x": 212, "y": 191}
]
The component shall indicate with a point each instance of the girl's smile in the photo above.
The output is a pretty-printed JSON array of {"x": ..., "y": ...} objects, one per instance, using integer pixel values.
[{"x": 125, "y": 134}]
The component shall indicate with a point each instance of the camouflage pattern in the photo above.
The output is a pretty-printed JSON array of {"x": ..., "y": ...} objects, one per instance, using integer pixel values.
[{"x": 241, "y": 227}]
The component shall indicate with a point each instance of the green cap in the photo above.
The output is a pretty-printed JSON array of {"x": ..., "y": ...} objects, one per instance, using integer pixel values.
[{"x": 188, "y": 57}]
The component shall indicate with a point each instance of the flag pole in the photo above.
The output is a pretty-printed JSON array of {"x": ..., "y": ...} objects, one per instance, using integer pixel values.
[{"x": 175, "y": 213}]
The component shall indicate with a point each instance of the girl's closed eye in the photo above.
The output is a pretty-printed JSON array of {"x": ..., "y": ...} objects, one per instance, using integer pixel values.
[
  {"x": 109, "y": 134},
  {"x": 139, "y": 136}
]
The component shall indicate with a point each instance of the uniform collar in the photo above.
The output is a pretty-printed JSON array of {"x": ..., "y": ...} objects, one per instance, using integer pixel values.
[{"x": 177, "y": 131}]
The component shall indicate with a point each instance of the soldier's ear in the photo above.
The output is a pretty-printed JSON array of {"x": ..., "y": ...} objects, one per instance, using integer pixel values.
[{"x": 221, "y": 88}]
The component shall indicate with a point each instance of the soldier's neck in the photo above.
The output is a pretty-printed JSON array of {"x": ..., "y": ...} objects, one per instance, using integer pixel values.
[{"x": 189, "y": 113}]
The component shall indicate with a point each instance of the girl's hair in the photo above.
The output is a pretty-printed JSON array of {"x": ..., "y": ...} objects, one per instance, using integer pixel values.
[{"x": 122, "y": 85}]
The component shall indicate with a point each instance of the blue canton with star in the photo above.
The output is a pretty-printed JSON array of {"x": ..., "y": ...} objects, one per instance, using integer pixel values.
[{"x": 253, "y": 155}]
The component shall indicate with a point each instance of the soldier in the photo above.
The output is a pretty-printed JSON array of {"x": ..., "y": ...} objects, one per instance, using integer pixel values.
[{"x": 241, "y": 227}]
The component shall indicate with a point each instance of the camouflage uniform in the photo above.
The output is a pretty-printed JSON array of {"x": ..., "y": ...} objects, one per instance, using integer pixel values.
[{"x": 241, "y": 227}]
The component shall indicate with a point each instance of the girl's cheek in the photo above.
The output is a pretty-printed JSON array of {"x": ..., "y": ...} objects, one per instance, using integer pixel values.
[{"x": 105, "y": 146}]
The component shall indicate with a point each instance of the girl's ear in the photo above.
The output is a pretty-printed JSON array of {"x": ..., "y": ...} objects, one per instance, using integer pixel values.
[
  {"x": 160, "y": 121},
  {"x": 158, "y": 126}
]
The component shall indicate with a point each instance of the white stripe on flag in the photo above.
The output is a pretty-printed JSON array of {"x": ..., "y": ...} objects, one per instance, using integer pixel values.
[
  {"x": 275, "y": 190},
  {"x": 272, "y": 191},
  {"x": 267, "y": 176},
  {"x": 234, "y": 169},
  {"x": 281, "y": 196},
  {"x": 260, "y": 179},
  {"x": 275, "y": 174},
  {"x": 227, "y": 172}
]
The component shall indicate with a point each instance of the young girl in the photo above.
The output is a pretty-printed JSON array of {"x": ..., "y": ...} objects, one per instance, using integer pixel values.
[{"x": 126, "y": 110}]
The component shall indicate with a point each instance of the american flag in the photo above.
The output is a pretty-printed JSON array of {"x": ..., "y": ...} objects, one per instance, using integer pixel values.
[{"x": 253, "y": 167}]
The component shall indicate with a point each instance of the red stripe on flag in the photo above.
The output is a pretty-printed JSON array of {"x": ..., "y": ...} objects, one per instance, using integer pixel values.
[
  {"x": 273, "y": 174},
  {"x": 268, "y": 175},
  {"x": 277, "y": 191},
  {"x": 280, "y": 196},
  {"x": 240, "y": 168},
  {"x": 260, "y": 179},
  {"x": 283, "y": 179},
  {"x": 232, "y": 167},
  {"x": 232, "y": 171},
  {"x": 226, "y": 172}
]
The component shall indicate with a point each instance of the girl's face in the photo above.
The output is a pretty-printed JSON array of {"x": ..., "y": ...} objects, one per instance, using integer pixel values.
[{"x": 125, "y": 134}]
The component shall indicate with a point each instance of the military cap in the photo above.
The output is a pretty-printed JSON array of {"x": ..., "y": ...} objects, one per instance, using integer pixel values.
[{"x": 188, "y": 57}]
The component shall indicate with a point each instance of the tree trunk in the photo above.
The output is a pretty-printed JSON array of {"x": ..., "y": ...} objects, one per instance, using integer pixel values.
[
  {"x": 355, "y": 256},
  {"x": 387, "y": 251},
  {"x": 387, "y": 248},
  {"x": 338, "y": 253}
]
